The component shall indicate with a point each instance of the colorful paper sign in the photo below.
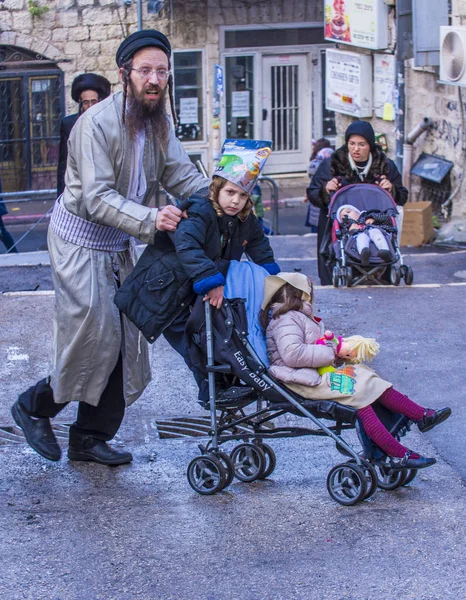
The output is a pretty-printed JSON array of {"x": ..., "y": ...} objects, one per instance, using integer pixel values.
[{"x": 361, "y": 23}]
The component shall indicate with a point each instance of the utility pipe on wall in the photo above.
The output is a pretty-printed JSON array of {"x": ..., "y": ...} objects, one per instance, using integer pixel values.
[{"x": 408, "y": 149}]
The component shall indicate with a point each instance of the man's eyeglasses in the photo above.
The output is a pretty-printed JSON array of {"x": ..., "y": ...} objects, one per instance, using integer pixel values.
[{"x": 146, "y": 72}]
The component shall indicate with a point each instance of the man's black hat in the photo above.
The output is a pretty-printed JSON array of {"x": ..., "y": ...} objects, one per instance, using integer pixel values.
[
  {"x": 142, "y": 39},
  {"x": 363, "y": 128},
  {"x": 90, "y": 81}
]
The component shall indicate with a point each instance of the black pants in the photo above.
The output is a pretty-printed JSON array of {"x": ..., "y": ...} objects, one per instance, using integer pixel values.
[
  {"x": 175, "y": 336},
  {"x": 99, "y": 422}
]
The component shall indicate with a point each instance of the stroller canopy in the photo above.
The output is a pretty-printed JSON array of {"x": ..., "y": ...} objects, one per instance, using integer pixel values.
[{"x": 363, "y": 196}]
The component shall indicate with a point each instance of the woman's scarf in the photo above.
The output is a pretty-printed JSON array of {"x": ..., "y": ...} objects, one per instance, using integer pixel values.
[{"x": 361, "y": 174}]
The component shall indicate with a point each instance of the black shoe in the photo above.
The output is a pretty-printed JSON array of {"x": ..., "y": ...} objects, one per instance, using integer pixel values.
[
  {"x": 385, "y": 255},
  {"x": 100, "y": 453},
  {"x": 365, "y": 255},
  {"x": 38, "y": 432},
  {"x": 428, "y": 422},
  {"x": 410, "y": 463}
]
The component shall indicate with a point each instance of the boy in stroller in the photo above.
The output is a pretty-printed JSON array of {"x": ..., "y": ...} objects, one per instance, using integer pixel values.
[
  {"x": 365, "y": 226},
  {"x": 158, "y": 295}
]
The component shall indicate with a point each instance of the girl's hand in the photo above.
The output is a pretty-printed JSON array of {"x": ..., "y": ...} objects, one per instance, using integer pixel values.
[
  {"x": 333, "y": 185},
  {"x": 385, "y": 184},
  {"x": 215, "y": 296}
]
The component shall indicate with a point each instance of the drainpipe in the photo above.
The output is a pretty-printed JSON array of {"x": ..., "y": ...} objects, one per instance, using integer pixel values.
[{"x": 408, "y": 149}]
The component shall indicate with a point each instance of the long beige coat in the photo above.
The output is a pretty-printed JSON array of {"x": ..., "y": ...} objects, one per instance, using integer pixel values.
[{"x": 89, "y": 332}]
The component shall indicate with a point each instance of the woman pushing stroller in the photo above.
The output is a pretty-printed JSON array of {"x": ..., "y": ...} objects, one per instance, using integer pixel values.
[
  {"x": 360, "y": 159},
  {"x": 296, "y": 352}
]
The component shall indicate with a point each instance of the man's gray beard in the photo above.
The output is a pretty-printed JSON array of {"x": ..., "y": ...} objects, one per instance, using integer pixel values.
[{"x": 144, "y": 117}]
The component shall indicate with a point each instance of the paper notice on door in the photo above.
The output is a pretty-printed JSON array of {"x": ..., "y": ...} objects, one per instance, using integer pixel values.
[
  {"x": 189, "y": 111},
  {"x": 240, "y": 104}
]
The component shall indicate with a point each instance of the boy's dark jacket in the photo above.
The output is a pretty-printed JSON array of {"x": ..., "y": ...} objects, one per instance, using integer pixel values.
[{"x": 187, "y": 262}]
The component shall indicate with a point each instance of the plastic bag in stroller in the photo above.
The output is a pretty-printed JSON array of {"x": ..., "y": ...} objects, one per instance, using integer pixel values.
[
  {"x": 339, "y": 243},
  {"x": 244, "y": 400}
]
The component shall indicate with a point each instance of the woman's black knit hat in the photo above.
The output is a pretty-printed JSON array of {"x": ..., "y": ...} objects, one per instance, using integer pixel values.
[
  {"x": 90, "y": 81},
  {"x": 363, "y": 128},
  {"x": 142, "y": 39}
]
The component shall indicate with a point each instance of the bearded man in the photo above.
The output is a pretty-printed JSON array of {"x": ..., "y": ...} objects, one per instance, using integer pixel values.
[{"x": 119, "y": 151}]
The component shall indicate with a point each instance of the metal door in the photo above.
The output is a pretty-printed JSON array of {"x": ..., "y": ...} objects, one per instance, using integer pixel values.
[{"x": 286, "y": 111}]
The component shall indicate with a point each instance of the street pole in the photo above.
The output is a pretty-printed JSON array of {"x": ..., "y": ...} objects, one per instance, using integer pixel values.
[
  {"x": 400, "y": 110},
  {"x": 139, "y": 15}
]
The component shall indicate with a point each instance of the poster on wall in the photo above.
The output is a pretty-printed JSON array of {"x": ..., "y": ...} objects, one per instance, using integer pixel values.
[
  {"x": 240, "y": 104},
  {"x": 348, "y": 83},
  {"x": 384, "y": 86},
  {"x": 362, "y": 23},
  {"x": 189, "y": 111}
]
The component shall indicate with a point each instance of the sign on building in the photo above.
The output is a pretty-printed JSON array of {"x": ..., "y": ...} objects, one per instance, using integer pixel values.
[
  {"x": 348, "y": 83},
  {"x": 384, "y": 86},
  {"x": 362, "y": 23}
]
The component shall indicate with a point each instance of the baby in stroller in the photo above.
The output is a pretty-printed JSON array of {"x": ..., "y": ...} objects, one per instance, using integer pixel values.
[
  {"x": 366, "y": 226},
  {"x": 293, "y": 334}
]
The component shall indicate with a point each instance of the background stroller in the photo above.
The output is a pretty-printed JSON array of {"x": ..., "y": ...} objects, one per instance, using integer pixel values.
[
  {"x": 244, "y": 400},
  {"x": 339, "y": 246}
]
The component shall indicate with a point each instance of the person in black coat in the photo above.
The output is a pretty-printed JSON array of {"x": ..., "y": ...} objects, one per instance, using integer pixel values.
[
  {"x": 5, "y": 236},
  {"x": 360, "y": 159},
  {"x": 87, "y": 89}
]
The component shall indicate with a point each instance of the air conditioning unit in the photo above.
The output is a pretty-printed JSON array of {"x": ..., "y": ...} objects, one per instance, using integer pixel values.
[{"x": 453, "y": 55}]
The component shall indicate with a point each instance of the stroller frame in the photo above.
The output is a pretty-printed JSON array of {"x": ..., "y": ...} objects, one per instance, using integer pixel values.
[{"x": 347, "y": 483}]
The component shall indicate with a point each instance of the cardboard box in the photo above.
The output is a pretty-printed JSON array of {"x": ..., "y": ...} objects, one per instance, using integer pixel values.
[{"x": 417, "y": 228}]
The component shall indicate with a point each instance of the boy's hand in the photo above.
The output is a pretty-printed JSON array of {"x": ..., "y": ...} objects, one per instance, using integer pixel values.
[{"x": 215, "y": 296}]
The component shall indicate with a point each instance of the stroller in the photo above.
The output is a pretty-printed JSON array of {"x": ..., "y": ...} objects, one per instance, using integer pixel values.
[
  {"x": 244, "y": 400},
  {"x": 339, "y": 244}
]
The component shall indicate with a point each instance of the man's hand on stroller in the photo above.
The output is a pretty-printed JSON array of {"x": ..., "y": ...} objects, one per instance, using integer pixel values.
[
  {"x": 385, "y": 184},
  {"x": 215, "y": 296}
]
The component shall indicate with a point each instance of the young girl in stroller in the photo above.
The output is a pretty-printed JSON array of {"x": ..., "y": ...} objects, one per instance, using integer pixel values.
[
  {"x": 293, "y": 332},
  {"x": 366, "y": 227}
]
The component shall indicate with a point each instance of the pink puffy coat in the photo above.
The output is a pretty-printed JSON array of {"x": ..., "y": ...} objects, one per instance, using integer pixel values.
[{"x": 292, "y": 350}]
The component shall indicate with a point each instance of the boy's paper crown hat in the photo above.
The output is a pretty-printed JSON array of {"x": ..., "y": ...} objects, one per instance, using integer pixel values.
[
  {"x": 273, "y": 283},
  {"x": 242, "y": 161}
]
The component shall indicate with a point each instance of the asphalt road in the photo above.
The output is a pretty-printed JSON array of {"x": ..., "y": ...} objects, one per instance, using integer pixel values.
[{"x": 138, "y": 532}]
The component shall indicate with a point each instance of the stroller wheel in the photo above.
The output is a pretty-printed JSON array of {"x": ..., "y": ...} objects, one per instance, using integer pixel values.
[
  {"x": 395, "y": 275},
  {"x": 270, "y": 461},
  {"x": 347, "y": 484},
  {"x": 206, "y": 474},
  {"x": 407, "y": 274},
  {"x": 336, "y": 276},
  {"x": 249, "y": 461},
  {"x": 410, "y": 476},
  {"x": 229, "y": 467},
  {"x": 371, "y": 477},
  {"x": 390, "y": 479}
]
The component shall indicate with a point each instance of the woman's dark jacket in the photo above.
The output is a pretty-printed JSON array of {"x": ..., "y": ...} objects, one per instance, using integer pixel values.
[
  {"x": 192, "y": 260},
  {"x": 338, "y": 166},
  {"x": 65, "y": 129}
]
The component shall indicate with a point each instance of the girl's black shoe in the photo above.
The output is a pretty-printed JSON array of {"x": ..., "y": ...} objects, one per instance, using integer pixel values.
[
  {"x": 428, "y": 422},
  {"x": 407, "y": 462}
]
